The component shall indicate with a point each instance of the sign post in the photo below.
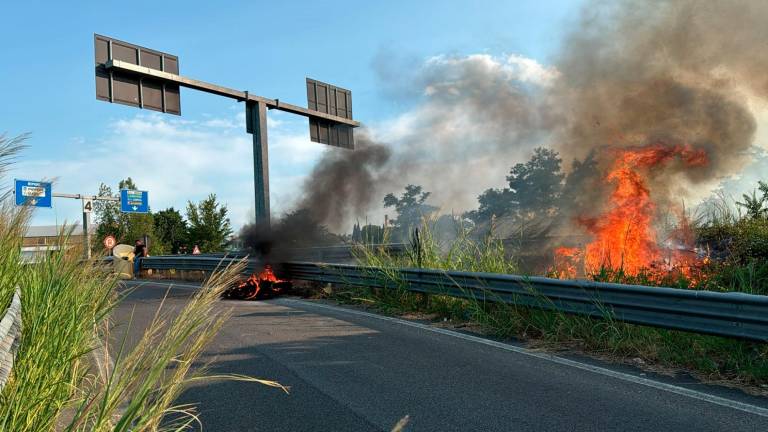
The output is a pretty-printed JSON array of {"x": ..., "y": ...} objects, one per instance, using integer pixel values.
[
  {"x": 40, "y": 194},
  {"x": 87, "y": 208},
  {"x": 145, "y": 78}
]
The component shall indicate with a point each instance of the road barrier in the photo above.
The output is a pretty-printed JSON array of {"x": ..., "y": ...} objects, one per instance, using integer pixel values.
[
  {"x": 736, "y": 315},
  {"x": 338, "y": 253},
  {"x": 10, "y": 335}
]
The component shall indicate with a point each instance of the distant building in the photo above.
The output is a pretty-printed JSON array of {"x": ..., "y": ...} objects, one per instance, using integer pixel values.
[{"x": 46, "y": 238}]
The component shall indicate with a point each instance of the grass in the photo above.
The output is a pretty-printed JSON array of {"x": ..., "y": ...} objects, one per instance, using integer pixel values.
[
  {"x": 67, "y": 377},
  {"x": 710, "y": 357},
  {"x": 71, "y": 373}
]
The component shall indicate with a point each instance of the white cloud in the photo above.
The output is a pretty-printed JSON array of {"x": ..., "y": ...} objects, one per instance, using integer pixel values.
[
  {"x": 530, "y": 71},
  {"x": 512, "y": 68},
  {"x": 179, "y": 160}
]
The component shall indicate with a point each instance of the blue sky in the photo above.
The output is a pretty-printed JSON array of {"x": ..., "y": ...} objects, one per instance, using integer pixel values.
[
  {"x": 265, "y": 47},
  {"x": 46, "y": 78}
]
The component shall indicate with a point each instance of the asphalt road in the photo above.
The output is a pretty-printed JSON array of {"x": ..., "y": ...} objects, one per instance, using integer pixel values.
[{"x": 353, "y": 371}]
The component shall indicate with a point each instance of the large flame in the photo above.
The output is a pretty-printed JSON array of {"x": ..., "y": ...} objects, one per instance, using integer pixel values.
[{"x": 624, "y": 236}]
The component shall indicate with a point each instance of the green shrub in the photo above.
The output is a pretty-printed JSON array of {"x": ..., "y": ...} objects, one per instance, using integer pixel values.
[{"x": 739, "y": 241}]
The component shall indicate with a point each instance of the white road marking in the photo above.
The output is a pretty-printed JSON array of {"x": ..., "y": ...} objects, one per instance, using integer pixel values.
[
  {"x": 682, "y": 391},
  {"x": 173, "y": 284},
  {"x": 717, "y": 400}
]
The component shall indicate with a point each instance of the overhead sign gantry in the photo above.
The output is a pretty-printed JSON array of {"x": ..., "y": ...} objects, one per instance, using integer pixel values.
[{"x": 145, "y": 78}]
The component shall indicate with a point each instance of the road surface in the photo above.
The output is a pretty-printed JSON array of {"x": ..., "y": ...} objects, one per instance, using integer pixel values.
[{"x": 349, "y": 370}]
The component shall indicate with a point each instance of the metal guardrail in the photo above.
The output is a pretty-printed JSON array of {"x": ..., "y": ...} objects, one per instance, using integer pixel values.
[
  {"x": 341, "y": 252},
  {"x": 10, "y": 334},
  {"x": 736, "y": 315},
  {"x": 335, "y": 253},
  {"x": 196, "y": 263}
]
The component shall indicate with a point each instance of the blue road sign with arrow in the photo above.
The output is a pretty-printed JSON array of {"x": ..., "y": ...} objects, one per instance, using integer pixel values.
[
  {"x": 33, "y": 193},
  {"x": 133, "y": 201}
]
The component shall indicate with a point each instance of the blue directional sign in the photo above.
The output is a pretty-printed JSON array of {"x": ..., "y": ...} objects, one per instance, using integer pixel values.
[
  {"x": 133, "y": 201},
  {"x": 33, "y": 193}
]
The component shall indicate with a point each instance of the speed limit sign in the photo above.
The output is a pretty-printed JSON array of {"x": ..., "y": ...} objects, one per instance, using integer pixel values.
[{"x": 109, "y": 242}]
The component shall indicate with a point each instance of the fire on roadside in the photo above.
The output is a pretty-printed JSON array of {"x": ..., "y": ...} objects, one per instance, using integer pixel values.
[
  {"x": 258, "y": 286},
  {"x": 623, "y": 235}
]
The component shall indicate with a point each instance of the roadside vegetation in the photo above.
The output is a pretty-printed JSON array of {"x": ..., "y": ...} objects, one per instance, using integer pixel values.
[
  {"x": 205, "y": 224},
  {"x": 731, "y": 235},
  {"x": 710, "y": 357},
  {"x": 73, "y": 370}
]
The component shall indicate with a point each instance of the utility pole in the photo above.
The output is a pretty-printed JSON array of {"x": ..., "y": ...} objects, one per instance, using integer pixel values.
[
  {"x": 87, "y": 204},
  {"x": 145, "y": 78}
]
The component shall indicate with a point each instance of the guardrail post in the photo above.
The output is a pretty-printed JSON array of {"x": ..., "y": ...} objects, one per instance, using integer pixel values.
[{"x": 423, "y": 300}]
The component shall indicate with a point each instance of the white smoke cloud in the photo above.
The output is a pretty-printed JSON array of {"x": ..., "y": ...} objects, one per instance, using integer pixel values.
[
  {"x": 475, "y": 119},
  {"x": 511, "y": 68}
]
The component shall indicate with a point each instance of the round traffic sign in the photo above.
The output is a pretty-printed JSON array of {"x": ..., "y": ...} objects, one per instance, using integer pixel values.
[{"x": 109, "y": 242}]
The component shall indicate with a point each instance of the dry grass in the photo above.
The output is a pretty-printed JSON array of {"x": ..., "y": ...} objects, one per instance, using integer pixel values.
[
  {"x": 709, "y": 357},
  {"x": 67, "y": 376}
]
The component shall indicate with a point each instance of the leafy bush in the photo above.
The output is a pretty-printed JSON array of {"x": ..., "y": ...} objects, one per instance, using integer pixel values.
[{"x": 740, "y": 241}]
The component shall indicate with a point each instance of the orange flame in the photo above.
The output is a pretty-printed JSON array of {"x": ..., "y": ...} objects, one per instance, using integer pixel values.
[
  {"x": 267, "y": 274},
  {"x": 257, "y": 281},
  {"x": 567, "y": 262},
  {"x": 624, "y": 236}
]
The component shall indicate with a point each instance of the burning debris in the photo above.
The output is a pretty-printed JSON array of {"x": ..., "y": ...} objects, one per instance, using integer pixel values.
[
  {"x": 259, "y": 286},
  {"x": 624, "y": 236}
]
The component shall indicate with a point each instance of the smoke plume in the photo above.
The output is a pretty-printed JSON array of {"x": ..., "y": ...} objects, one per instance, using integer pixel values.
[
  {"x": 665, "y": 72},
  {"x": 628, "y": 74},
  {"x": 344, "y": 183}
]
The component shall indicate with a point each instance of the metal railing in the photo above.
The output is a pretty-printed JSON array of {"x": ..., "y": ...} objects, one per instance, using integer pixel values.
[
  {"x": 10, "y": 334},
  {"x": 736, "y": 315},
  {"x": 336, "y": 253},
  {"x": 196, "y": 263}
]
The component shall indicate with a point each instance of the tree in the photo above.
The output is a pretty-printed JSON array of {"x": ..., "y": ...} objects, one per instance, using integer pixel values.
[
  {"x": 535, "y": 187},
  {"x": 411, "y": 208},
  {"x": 138, "y": 225},
  {"x": 300, "y": 228},
  {"x": 493, "y": 202},
  {"x": 534, "y": 190},
  {"x": 209, "y": 226},
  {"x": 126, "y": 227},
  {"x": 107, "y": 216},
  {"x": 372, "y": 234},
  {"x": 368, "y": 234},
  {"x": 171, "y": 229},
  {"x": 356, "y": 236},
  {"x": 753, "y": 205}
]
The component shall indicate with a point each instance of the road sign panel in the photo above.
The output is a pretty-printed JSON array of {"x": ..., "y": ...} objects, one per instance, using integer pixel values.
[
  {"x": 133, "y": 201},
  {"x": 33, "y": 193},
  {"x": 131, "y": 89},
  {"x": 87, "y": 205},
  {"x": 330, "y": 100},
  {"x": 109, "y": 242}
]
